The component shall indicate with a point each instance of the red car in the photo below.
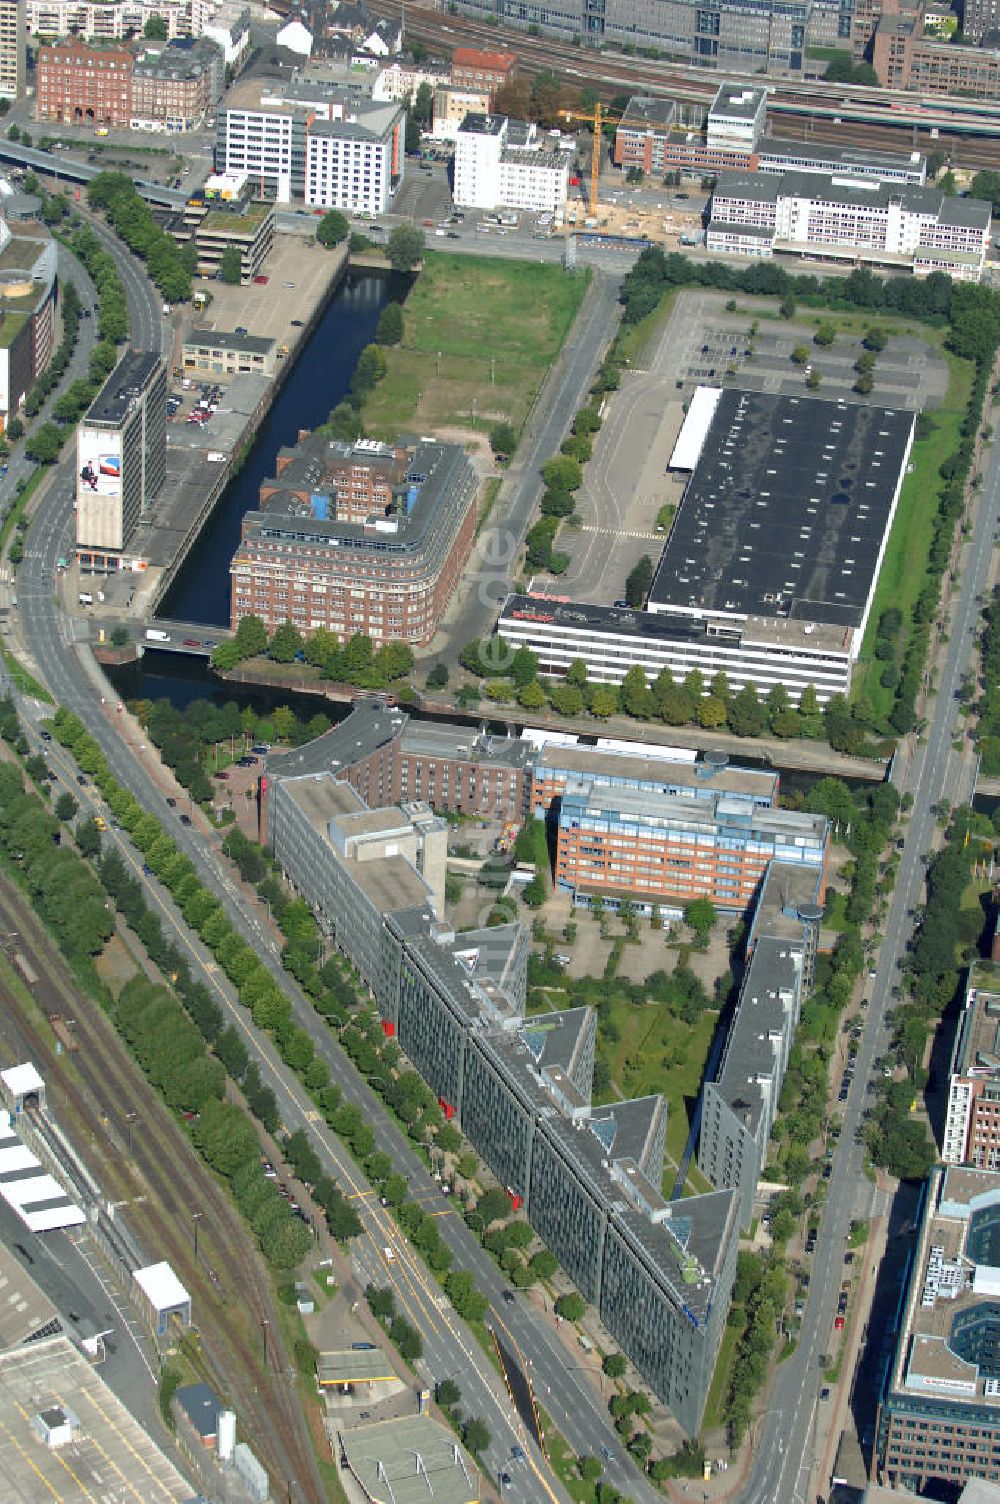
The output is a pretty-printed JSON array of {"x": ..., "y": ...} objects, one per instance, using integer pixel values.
[
  {"x": 191, "y": 642},
  {"x": 838, "y": 1325}
]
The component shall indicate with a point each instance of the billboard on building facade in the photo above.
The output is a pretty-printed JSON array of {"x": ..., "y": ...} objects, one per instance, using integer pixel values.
[{"x": 100, "y": 463}]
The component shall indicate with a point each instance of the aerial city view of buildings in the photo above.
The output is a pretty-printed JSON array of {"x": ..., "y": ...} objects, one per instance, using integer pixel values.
[{"x": 499, "y": 916}]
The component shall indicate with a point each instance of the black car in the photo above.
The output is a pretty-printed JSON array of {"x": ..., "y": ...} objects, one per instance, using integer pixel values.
[
  {"x": 185, "y": 819},
  {"x": 296, "y": 323},
  {"x": 171, "y": 802}
]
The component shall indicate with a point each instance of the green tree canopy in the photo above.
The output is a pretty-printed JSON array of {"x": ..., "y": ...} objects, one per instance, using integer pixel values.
[
  {"x": 389, "y": 330},
  {"x": 640, "y": 579},
  {"x": 404, "y": 247},
  {"x": 332, "y": 228},
  {"x": 231, "y": 266}
]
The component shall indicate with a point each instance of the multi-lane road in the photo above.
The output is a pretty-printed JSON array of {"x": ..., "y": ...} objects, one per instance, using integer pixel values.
[
  {"x": 450, "y": 1350},
  {"x": 931, "y": 772}
]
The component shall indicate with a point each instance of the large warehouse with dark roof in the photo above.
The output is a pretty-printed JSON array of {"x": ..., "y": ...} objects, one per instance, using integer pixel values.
[{"x": 770, "y": 569}]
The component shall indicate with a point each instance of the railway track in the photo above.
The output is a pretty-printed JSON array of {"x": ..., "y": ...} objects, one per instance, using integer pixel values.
[
  {"x": 165, "y": 1181},
  {"x": 968, "y": 129}
]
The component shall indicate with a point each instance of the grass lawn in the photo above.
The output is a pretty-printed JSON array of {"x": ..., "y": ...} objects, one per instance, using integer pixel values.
[
  {"x": 475, "y": 330},
  {"x": 639, "y": 340},
  {"x": 657, "y": 1052},
  {"x": 904, "y": 569},
  {"x": 720, "y": 1380}
]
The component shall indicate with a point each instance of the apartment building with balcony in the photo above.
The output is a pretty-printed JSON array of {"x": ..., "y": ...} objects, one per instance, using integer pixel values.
[
  {"x": 28, "y": 290},
  {"x": 13, "y": 49},
  {"x": 350, "y": 557},
  {"x": 105, "y": 20}
]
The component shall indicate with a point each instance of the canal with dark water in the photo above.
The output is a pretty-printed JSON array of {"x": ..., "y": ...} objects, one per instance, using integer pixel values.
[{"x": 319, "y": 379}]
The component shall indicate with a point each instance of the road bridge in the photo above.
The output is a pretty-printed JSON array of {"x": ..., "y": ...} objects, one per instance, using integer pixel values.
[{"x": 165, "y": 634}]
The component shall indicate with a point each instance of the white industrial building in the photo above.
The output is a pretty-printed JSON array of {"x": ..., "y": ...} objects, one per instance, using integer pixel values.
[
  {"x": 26, "y": 1185},
  {"x": 507, "y": 164},
  {"x": 856, "y": 219},
  {"x": 161, "y": 1294}
]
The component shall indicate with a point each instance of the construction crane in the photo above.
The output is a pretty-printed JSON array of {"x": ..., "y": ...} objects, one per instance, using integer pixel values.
[{"x": 597, "y": 119}]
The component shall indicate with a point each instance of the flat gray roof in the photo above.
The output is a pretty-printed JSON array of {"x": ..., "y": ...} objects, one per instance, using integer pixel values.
[
  {"x": 383, "y": 1458},
  {"x": 321, "y": 798},
  {"x": 843, "y": 157},
  {"x": 643, "y": 768},
  {"x": 766, "y": 187},
  {"x": 109, "y": 1443},
  {"x": 748, "y": 1072},
  {"x": 633, "y": 1124},
  {"x": 390, "y": 883},
  {"x": 787, "y": 887},
  {"x": 127, "y": 381},
  {"x": 219, "y": 339},
  {"x": 555, "y": 1038},
  {"x": 643, "y": 110},
  {"x": 447, "y": 740},
  {"x": 355, "y": 1365},
  {"x": 737, "y": 100}
]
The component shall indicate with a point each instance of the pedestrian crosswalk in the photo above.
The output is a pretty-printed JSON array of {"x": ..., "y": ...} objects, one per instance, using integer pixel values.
[{"x": 617, "y": 532}]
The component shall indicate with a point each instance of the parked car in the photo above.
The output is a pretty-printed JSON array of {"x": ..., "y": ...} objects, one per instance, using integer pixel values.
[{"x": 838, "y": 1325}]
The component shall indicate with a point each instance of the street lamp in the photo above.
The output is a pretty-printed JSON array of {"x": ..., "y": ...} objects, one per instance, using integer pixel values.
[
  {"x": 130, "y": 1118},
  {"x": 263, "y": 1328},
  {"x": 196, "y": 1218}
]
